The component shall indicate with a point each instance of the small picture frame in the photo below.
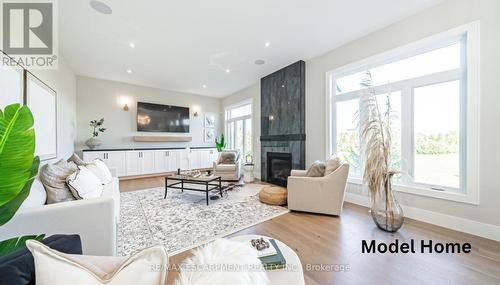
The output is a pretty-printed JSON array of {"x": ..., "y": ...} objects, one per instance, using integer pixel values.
[
  {"x": 209, "y": 120},
  {"x": 209, "y": 135}
]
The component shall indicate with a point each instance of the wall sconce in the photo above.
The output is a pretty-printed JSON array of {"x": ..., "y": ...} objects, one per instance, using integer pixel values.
[
  {"x": 195, "y": 114},
  {"x": 271, "y": 118},
  {"x": 125, "y": 107}
]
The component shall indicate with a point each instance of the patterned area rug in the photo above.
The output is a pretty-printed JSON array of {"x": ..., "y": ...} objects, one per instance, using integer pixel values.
[{"x": 183, "y": 220}]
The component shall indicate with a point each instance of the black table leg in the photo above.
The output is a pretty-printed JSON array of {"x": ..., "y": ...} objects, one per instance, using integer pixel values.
[
  {"x": 182, "y": 186},
  {"x": 206, "y": 185},
  {"x": 166, "y": 186},
  {"x": 220, "y": 187}
]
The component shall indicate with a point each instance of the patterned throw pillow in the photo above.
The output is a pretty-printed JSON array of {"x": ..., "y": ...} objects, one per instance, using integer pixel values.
[
  {"x": 332, "y": 164},
  {"x": 317, "y": 169},
  {"x": 227, "y": 157},
  {"x": 53, "y": 177},
  {"x": 76, "y": 159}
]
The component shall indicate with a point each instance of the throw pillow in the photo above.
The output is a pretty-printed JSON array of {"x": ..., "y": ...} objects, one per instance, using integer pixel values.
[
  {"x": 37, "y": 196},
  {"x": 101, "y": 170},
  {"x": 227, "y": 157},
  {"x": 317, "y": 169},
  {"x": 18, "y": 268},
  {"x": 332, "y": 164},
  {"x": 148, "y": 267},
  {"x": 228, "y": 254},
  {"x": 76, "y": 159},
  {"x": 84, "y": 184},
  {"x": 53, "y": 177}
]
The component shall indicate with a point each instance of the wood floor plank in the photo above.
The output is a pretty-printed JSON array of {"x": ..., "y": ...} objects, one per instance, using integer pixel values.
[{"x": 326, "y": 240}]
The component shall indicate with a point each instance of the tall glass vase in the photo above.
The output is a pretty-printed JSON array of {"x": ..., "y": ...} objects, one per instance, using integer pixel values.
[{"x": 386, "y": 211}]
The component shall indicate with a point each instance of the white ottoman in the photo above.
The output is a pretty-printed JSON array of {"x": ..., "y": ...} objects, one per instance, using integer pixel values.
[{"x": 292, "y": 275}]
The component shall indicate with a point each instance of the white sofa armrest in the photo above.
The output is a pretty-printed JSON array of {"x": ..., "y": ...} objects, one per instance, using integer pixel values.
[{"x": 92, "y": 219}]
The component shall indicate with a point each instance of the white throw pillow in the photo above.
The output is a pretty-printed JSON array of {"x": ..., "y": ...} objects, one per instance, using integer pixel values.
[
  {"x": 101, "y": 170},
  {"x": 148, "y": 267},
  {"x": 84, "y": 184},
  {"x": 37, "y": 196}
]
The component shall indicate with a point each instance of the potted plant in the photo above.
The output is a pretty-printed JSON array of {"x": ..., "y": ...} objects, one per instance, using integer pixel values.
[
  {"x": 378, "y": 172},
  {"x": 94, "y": 142},
  {"x": 18, "y": 167},
  {"x": 220, "y": 144}
]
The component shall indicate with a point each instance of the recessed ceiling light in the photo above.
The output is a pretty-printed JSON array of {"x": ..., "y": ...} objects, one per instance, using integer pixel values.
[
  {"x": 131, "y": 45},
  {"x": 204, "y": 86},
  {"x": 259, "y": 62},
  {"x": 267, "y": 44},
  {"x": 129, "y": 70},
  {"x": 228, "y": 70},
  {"x": 101, "y": 7}
]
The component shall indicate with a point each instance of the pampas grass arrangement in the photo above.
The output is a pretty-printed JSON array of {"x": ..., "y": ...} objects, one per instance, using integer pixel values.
[{"x": 377, "y": 141}]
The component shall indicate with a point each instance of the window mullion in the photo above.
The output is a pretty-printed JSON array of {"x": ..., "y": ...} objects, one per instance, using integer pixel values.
[{"x": 407, "y": 134}]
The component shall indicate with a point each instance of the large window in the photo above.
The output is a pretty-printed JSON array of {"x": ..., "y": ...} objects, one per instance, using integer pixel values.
[
  {"x": 239, "y": 127},
  {"x": 431, "y": 88}
]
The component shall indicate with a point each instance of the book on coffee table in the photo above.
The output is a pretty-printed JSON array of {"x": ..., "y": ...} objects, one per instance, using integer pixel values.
[{"x": 276, "y": 261}]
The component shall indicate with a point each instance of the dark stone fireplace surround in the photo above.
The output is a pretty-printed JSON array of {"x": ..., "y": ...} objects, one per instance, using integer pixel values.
[{"x": 283, "y": 121}]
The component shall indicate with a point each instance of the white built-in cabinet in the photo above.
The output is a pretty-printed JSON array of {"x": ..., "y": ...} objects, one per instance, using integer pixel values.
[{"x": 144, "y": 162}]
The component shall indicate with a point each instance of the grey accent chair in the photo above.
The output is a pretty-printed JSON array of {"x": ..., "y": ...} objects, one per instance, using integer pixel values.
[{"x": 228, "y": 171}]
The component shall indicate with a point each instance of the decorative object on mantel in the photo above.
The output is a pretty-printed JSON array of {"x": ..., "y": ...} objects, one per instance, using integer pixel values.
[
  {"x": 162, "y": 138},
  {"x": 220, "y": 144},
  {"x": 94, "y": 142},
  {"x": 209, "y": 120},
  {"x": 209, "y": 135},
  {"x": 376, "y": 137}
]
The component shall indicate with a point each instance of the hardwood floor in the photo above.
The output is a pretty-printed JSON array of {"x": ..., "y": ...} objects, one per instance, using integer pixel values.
[{"x": 329, "y": 241}]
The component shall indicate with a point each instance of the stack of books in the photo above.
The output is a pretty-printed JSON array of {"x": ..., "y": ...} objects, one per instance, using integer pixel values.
[{"x": 271, "y": 257}]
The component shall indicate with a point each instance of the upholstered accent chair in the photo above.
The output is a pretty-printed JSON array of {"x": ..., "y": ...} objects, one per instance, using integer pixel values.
[
  {"x": 228, "y": 165},
  {"x": 323, "y": 195}
]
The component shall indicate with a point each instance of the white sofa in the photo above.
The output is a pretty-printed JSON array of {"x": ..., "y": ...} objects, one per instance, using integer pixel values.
[
  {"x": 323, "y": 195},
  {"x": 95, "y": 220}
]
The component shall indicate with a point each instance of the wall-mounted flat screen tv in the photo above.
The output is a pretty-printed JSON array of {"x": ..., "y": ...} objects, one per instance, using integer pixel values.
[{"x": 162, "y": 118}]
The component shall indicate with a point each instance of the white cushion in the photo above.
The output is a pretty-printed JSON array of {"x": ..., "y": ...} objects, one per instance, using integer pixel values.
[
  {"x": 37, "y": 196},
  {"x": 99, "y": 169},
  {"x": 225, "y": 167},
  {"x": 148, "y": 267},
  {"x": 84, "y": 184}
]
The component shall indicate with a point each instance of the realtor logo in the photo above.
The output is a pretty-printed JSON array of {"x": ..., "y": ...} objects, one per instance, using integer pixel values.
[{"x": 28, "y": 33}]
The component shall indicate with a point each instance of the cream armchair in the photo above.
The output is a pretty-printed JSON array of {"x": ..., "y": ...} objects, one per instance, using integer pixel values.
[
  {"x": 228, "y": 171},
  {"x": 324, "y": 195}
]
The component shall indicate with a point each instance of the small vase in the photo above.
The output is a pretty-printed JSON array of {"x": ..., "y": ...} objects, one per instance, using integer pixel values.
[
  {"x": 386, "y": 211},
  {"x": 93, "y": 143}
]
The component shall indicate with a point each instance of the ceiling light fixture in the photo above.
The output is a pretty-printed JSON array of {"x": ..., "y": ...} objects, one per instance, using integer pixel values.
[
  {"x": 131, "y": 45},
  {"x": 228, "y": 70},
  {"x": 129, "y": 70},
  {"x": 204, "y": 86},
  {"x": 101, "y": 7},
  {"x": 259, "y": 62},
  {"x": 267, "y": 44}
]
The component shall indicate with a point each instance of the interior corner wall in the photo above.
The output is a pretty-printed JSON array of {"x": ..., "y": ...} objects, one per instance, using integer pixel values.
[
  {"x": 97, "y": 98},
  {"x": 253, "y": 93},
  {"x": 446, "y": 15},
  {"x": 63, "y": 81}
]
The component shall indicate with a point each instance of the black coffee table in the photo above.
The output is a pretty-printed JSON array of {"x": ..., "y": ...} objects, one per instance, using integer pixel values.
[{"x": 211, "y": 183}]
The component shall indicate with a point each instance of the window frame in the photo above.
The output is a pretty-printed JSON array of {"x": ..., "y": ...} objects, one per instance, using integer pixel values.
[
  {"x": 227, "y": 122},
  {"x": 469, "y": 105}
]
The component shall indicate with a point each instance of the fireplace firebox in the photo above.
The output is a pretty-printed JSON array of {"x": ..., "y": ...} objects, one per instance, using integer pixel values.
[{"x": 279, "y": 167}]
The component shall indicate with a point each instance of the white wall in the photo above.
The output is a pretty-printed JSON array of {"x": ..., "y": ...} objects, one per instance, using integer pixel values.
[
  {"x": 98, "y": 98},
  {"x": 63, "y": 81},
  {"x": 442, "y": 17},
  {"x": 252, "y": 92}
]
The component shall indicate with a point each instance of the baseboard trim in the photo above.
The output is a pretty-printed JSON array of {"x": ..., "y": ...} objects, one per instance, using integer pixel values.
[{"x": 443, "y": 220}]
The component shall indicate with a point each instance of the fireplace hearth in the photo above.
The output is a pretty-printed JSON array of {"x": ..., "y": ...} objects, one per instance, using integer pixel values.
[{"x": 279, "y": 167}]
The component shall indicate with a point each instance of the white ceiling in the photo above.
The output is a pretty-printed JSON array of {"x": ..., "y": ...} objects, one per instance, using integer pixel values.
[{"x": 183, "y": 44}]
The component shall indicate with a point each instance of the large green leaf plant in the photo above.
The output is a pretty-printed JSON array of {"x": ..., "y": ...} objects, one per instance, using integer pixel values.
[{"x": 18, "y": 167}]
